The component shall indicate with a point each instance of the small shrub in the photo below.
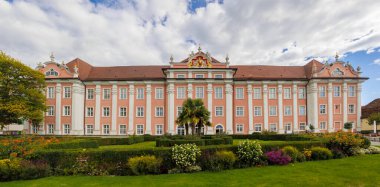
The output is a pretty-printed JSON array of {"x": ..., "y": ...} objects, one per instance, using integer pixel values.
[
  {"x": 372, "y": 150},
  {"x": 277, "y": 158},
  {"x": 337, "y": 153},
  {"x": 358, "y": 151},
  {"x": 185, "y": 155},
  {"x": 307, "y": 154},
  {"x": 366, "y": 143},
  {"x": 17, "y": 169},
  {"x": 249, "y": 152},
  {"x": 344, "y": 141},
  {"x": 145, "y": 165},
  {"x": 222, "y": 160},
  {"x": 320, "y": 153},
  {"x": 292, "y": 152}
]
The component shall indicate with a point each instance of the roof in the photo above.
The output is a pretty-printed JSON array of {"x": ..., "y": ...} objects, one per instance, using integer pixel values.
[
  {"x": 126, "y": 73},
  {"x": 370, "y": 108},
  {"x": 260, "y": 72}
]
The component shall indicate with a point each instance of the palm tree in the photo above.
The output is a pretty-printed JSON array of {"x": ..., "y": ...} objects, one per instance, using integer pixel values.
[{"x": 194, "y": 114}]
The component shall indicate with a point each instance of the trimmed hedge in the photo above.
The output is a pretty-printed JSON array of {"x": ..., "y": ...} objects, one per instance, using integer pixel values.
[
  {"x": 204, "y": 141},
  {"x": 279, "y": 137},
  {"x": 120, "y": 141},
  {"x": 74, "y": 144}
]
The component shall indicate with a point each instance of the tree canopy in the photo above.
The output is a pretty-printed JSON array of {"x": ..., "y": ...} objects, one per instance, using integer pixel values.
[
  {"x": 21, "y": 92},
  {"x": 374, "y": 117}
]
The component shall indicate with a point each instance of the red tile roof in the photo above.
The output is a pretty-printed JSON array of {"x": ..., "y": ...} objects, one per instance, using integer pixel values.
[{"x": 259, "y": 72}]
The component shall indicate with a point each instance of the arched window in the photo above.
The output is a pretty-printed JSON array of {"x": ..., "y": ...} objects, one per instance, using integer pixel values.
[
  {"x": 219, "y": 129},
  {"x": 51, "y": 72},
  {"x": 181, "y": 130}
]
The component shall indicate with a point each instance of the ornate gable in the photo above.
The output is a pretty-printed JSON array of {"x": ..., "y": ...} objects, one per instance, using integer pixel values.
[
  {"x": 199, "y": 60},
  {"x": 52, "y": 69},
  {"x": 337, "y": 69}
]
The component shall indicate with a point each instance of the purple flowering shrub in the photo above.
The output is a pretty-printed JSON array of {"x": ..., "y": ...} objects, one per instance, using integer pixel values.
[{"x": 277, "y": 158}]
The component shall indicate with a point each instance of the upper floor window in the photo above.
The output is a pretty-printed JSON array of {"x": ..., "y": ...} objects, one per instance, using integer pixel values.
[
  {"x": 179, "y": 110},
  {"x": 218, "y": 76},
  {"x": 67, "y": 92},
  {"x": 272, "y": 93},
  {"x": 123, "y": 93},
  {"x": 66, "y": 110},
  {"x": 90, "y": 112},
  {"x": 199, "y": 92},
  {"x": 199, "y": 76},
  {"x": 351, "y": 109},
  {"x": 140, "y": 93},
  {"x": 106, "y": 111},
  {"x": 50, "y": 92},
  {"x": 180, "y": 76},
  {"x": 180, "y": 92},
  {"x": 302, "y": 111},
  {"x": 50, "y": 111},
  {"x": 123, "y": 111},
  {"x": 239, "y": 93},
  {"x": 322, "y": 109},
  {"x": 140, "y": 111},
  {"x": 286, "y": 93},
  {"x": 301, "y": 93},
  {"x": 351, "y": 91},
  {"x": 159, "y": 93},
  {"x": 336, "y": 91},
  {"x": 257, "y": 93},
  {"x": 257, "y": 111},
  {"x": 272, "y": 111},
  {"x": 218, "y": 111},
  {"x": 159, "y": 111},
  {"x": 322, "y": 91},
  {"x": 218, "y": 93},
  {"x": 288, "y": 111},
  {"x": 90, "y": 93},
  {"x": 51, "y": 72},
  {"x": 239, "y": 111},
  {"x": 106, "y": 93}
]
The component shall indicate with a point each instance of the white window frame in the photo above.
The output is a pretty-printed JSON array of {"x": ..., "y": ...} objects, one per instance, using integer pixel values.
[
  {"x": 256, "y": 93},
  {"x": 286, "y": 125},
  {"x": 138, "y": 129},
  {"x": 159, "y": 112},
  {"x": 50, "y": 92},
  {"x": 239, "y": 128},
  {"x": 120, "y": 111},
  {"x": 87, "y": 112},
  {"x": 139, "y": 112},
  {"x": 270, "y": 127},
  {"x": 272, "y": 95},
  {"x": 50, "y": 112},
  {"x": 197, "y": 92},
  {"x": 89, "y": 130},
  {"x": 275, "y": 110},
  {"x": 287, "y": 93},
  {"x": 239, "y": 93},
  {"x": 104, "y": 110},
  {"x": 320, "y": 125},
  {"x": 304, "y": 126},
  {"x": 123, "y": 93},
  {"x": 65, "y": 93},
  {"x": 140, "y": 93},
  {"x": 239, "y": 111},
  {"x": 218, "y": 94},
  {"x": 159, "y": 131},
  {"x": 88, "y": 94},
  {"x": 299, "y": 110},
  {"x": 351, "y": 93},
  {"x": 335, "y": 92},
  {"x": 106, "y": 93},
  {"x": 199, "y": 76},
  {"x": 181, "y": 92},
  {"x": 322, "y": 91},
  {"x": 65, "y": 113},
  {"x": 321, "y": 109},
  {"x": 353, "y": 109},
  {"x": 216, "y": 76},
  {"x": 124, "y": 129},
  {"x": 106, "y": 131},
  {"x": 289, "y": 113},
  {"x": 301, "y": 94},
  {"x": 159, "y": 94},
  {"x": 65, "y": 129},
  {"x": 181, "y": 76},
  {"x": 258, "y": 125},
  {"x": 178, "y": 109},
  {"x": 216, "y": 111},
  {"x": 50, "y": 129},
  {"x": 257, "y": 111}
]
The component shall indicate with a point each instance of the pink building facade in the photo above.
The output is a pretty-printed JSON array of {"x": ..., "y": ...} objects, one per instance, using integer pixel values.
[{"x": 125, "y": 100}]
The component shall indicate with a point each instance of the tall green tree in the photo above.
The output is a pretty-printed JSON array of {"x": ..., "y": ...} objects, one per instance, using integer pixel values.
[
  {"x": 21, "y": 92},
  {"x": 374, "y": 117},
  {"x": 194, "y": 114}
]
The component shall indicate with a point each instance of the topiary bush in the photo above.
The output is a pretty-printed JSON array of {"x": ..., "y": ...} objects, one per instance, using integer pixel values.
[
  {"x": 294, "y": 154},
  {"x": 321, "y": 153},
  {"x": 249, "y": 152},
  {"x": 185, "y": 156},
  {"x": 277, "y": 157},
  {"x": 221, "y": 160},
  {"x": 145, "y": 165}
]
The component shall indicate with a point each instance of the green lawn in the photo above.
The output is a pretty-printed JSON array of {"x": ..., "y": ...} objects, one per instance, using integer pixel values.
[{"x": 353, "y": 171}]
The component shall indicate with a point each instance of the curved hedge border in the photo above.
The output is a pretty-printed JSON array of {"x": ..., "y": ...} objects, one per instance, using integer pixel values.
[
  {"x": 166, "y": 142},
  {"x": 74, "y": 144}
]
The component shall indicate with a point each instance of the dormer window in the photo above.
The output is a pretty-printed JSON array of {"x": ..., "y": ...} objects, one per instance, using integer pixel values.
[
  {"x": 51, "y": 72},
  {"x": 337, "y": 72}
]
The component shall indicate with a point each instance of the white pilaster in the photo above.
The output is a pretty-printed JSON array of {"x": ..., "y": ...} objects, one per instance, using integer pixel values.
[
  {"x": 295, "y": 108},
  {"x": 189, "y": 90},
  {"x": 229, "y": 107},
  {"x": 330, "y": 107},
  {"x": 58, "y": 108},
  {"x": 189, "y": 74},
  {"x": 148, "y": 109},
  {"x": 345, "y": 118},
  {"x": 280, "y": 110},
  {"x": 114, "y": 110},
  {"x": 250, "y": 109},
  {"x": 359, "y": 106},
  {"x": 131, "y": 108},
  {"x": 315, "y": 106},
  {"x": 209, "y": 105},
  {"x": 265, "y": 98},
  {"x": 77, "y": 109},
  {"x": 97, "y": 110},
  {"x": 171, "y": 111}
]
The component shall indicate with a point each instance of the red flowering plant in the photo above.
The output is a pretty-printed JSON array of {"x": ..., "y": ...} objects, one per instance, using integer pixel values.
[{"x": 277, "y": 157}]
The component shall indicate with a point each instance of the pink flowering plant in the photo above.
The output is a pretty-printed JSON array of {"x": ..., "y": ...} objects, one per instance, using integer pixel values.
[{"x": 277, "y": 157}]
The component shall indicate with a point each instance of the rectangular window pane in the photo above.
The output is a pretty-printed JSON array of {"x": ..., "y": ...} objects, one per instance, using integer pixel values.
[
  {"x": 351, "y": 91},
  {"x": 322, "y": 109},
  {"x": 301, "y": 93},
  {"x": 90, "y": 112},
  {"x": 239, "y": 93},
  {"x": 159, "y": 129},
  {"x": 199, "y": 92},
  {"x": 123, "y": 93},
  {"x": 272, "y": 110},
  {"x": 288, "y": 111},
  {"x": 322, "y": 125},
  {"x": 180, "y": 92},
  {"x": 257, "y": 127},
  {"x": 302, "y": 110},
  {"x": 106, "y": 93},
  {"x": 106, "y": 129},
  {"x": 159, "y": 93},
  {"x": 140, "y": 93},
  {"x": 159, "y": 111},
  {"x": 50, "y": 93},
  {"x": 336, "y": 91},
  {"x": 140, "y": 112},
  {"x": 66, "y": 110},
  {"x": 66, "y": 129},
  {"x": 272, "y": 127},
  {"x": 218, "y": 76},
  {"x": 239, "y": 128},
  {"x": 123, "y": 111},
  {"x": 218, "y": 111},
  {"x": 257, "y": 93},
  {"x": 286, "y": 93},
  {"x": 140, "y": 129},
  {"x": 123, "y": 129},
  {"x": 257, "y": 111},
  {"x": 239, "y": 111},
  {"x": 351, "y": 109},
  {"x": 199, "y": 76},
  {"x": 90, "y": 129},
  {"x": 90, "y": 93},
  {"x": 303, "y": 126},
  {"x": 50, "y": 129},
  {"x": 181, "y": 76},
  {"x": 272, "y": 93},
  {"x": 322, "y": 91},
  {"x": 218, "y": 93},
  {"x": 67, "y": 92}
]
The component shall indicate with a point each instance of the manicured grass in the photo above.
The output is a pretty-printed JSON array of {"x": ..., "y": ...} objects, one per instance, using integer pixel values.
[
  {"x": 353, "y": 171},
  {"x": 142, "y": 145}
]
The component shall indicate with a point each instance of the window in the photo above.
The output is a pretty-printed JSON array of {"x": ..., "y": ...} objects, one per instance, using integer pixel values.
[
  {"x": 301, "y": 93},
  {"x": 159, "y": 129},
  {"x": 66, "y": 110},
  {"x": 288, "y": 111},
  {"x": 199, "y": 76},
  {"x": 90, "y": 93},
  {"x": 322, "y": 109},
  {"x": 123, "y": 129},
  {"x": 351, "y": 109},
  {"x": 67, "y": 92},
  {"x": 106, "y": 129},
  {"x": 179, "y": 110},
  {"x": 180, "y": 92},
  {"x": 123, "y": 93},
  {"x": 180, "y": 76},
  {"x": 140, "y": 130},
  {"x": 322, "y": 91},
  {"x": 140, "y": 93},
  {"x": 66, "y": 129},
  {"x": 199, "y": 92},
  {"x": 50, "y": 92},
  {"x": 257, "y": 93},
  {"x": 219, "y": 129},
  {"x": 322, "y": 125},
  {"x": 336, "y": 91},
  {"x": 257, "y": 127},
  {"x": 218, "y": 76},
  {"x": 239, "y": 128},
  {"x": 123, "y": 111},
  {"x": 288, "y": 127},
  {"x": 239, "y": 93},
  {"x": 302, "y": 110},
  {"x": 35, "y": 129},
  {"x": 272, "y": 111},
  {"x": 218, "y": 92},
  {"x": 140, "y": 111},
  {"x": 218, "y": 111},
  {"x": 50, "y": 129},
  {"x": 272, "y": 127},
  {"x": 181, "y": 130},
  {"x": 159, "y": 93},
  {"x": 272, "y": 93},
  {"x": 159, "y": 111},
  {"x": 90, "y": 112},
  {"x": 286, "y": 93},
  {"x": 302, "y": 126},
  {"x": 50, "y": 111},
  {"x": 51, "y": 72},
  {"x": 106, "y": 111},
  {"x": 239, "y": 111},
  {"x": 351, "y": 91},
  {"x": 90, "y": 129},
  {"x": 106, "y": 93},
  {"x": 257, "y": 111}
]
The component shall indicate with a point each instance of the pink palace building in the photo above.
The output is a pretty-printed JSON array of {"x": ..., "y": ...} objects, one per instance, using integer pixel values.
[{"x": 86, "y": 100}]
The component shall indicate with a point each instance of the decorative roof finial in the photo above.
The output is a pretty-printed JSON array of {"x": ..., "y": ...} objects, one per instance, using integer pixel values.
[
  {"x": 52, "y": 57},
  {"x": 336, "y": 57},
  {"x": 171, "y": 58},
  {"x": 199, "y": 48},
  {"x": 358, "y": 69},
  {"x": 227, "y": 59}
]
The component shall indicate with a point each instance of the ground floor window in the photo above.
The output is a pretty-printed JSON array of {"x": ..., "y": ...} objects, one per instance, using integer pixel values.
[
  {"x": 50, "y": 129},
  {"x": 123, "y": 129},
  {"x": 302, "y": 126},
  {"x": 89, "y": 129},
  {"x": 106, "y": 129},
  {"x": 159, "y": 129},
  {"x": 219, "y": 129},
  {"x": 35, "y": 129},
  {"x": 288, "y": 127},
  {"x": 140, "y": 130},
  {"x": 66, "y": 129},
  {"x": 322, "y": 125},
  {"x": 202, "y": 129},
  {"x": 273, "y": 127},
  {"x": 239, "y": 128},
  {"x": 257, "y": 127},
  {"x": 181, "y": 130}
]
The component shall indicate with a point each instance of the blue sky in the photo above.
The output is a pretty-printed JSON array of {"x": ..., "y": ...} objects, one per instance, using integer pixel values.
[{"x": 141, "y": 32}]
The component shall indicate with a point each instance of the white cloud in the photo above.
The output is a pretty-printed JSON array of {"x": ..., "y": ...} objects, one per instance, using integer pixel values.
[
  {"x": 148, "y": 31},
  {"x": 377, "y": 61}
]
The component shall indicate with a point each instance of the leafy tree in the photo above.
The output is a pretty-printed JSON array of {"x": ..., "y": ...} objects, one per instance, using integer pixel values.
[
  {"x": 194, "y": 114},
  {"x": 348, "y": 125},
  {"x": 374, "y": 117},
  {"x": 21, "y": 92}
]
